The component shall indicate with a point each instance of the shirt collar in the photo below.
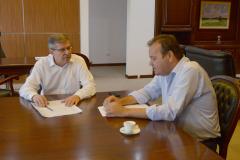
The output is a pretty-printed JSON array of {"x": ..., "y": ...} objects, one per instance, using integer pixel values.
[
  {"x": 52, "y": 63},
  {"x": 179, "y": 64},
  {"x": 51, "y": 60}
]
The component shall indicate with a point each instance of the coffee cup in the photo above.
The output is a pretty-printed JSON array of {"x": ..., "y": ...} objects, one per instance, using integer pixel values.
[{"x": 129, "y": 126}]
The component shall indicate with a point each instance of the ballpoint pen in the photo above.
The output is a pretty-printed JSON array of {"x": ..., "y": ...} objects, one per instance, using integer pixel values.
[{"x": 49, "y": 108}]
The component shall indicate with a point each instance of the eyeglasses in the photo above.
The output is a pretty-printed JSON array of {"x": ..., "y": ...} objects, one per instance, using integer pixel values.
[{"x": 62, "y": 49}]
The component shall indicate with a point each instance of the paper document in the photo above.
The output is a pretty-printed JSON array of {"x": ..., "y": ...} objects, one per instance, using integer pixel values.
[
  {"x": 56, "y": 108},
  {"x": 103, "y": 112}
]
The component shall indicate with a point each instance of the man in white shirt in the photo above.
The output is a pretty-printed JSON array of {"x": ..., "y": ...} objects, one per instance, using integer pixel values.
[
  {"x": 61, "y": 72},
  {"x": 187, "y": 93}
]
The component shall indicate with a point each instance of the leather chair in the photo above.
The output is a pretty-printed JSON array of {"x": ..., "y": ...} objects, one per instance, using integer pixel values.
[
  {"x": 85, "y": 59},
  {"x": 214, "y": 62},
  {"x": 228, "y": 98}
]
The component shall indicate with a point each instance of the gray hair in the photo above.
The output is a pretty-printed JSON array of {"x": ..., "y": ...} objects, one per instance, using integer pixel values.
[{"x": 57, "y": 38}]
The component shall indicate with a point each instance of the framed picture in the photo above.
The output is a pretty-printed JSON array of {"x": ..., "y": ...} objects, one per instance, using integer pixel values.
[{"x": 214, "y": 15}]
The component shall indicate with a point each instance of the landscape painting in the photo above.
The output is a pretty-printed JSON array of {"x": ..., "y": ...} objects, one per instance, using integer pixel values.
[{"x": 214, "y": 15}]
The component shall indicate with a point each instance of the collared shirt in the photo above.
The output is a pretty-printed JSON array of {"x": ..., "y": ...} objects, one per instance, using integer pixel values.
[
  {"x": 73, "y": 78},
  {"x": 187, "y": 98}
]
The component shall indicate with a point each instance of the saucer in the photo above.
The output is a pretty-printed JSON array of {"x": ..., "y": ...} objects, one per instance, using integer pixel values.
[{"x": 136, "y": 130}]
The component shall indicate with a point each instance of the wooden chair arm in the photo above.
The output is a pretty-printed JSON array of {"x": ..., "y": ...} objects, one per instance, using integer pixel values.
[{"x": 9, "y": 78}]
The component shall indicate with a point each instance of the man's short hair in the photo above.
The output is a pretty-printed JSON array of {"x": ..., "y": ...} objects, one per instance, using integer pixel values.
[
  {"x": 168, "y": 43},
  {"x": 57, "y": 38}
]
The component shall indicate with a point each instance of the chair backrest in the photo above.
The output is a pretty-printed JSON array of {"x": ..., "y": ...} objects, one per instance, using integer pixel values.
[
  {"x": 85, "y": 59},
  {"x": 228, "y": 98},
  {"x": 214, "y": 62}
]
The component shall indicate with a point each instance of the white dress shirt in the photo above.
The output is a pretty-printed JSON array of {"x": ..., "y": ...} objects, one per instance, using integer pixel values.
[
  {"x": 73, "y": 78},
  {"x": 187, "y": 98}
]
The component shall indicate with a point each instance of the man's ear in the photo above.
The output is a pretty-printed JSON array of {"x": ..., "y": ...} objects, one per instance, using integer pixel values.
[
  {"x": 171, "y": 56},
  {"x": 50, "y": 51}
]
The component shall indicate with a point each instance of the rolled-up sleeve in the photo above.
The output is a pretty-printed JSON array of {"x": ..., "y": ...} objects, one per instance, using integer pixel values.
[
  {"x": 150, "y": 92},
  {"x": 184, "y": 90}
]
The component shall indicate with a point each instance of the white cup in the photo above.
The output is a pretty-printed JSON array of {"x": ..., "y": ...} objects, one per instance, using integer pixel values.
[{"x": 129, "y": 126}]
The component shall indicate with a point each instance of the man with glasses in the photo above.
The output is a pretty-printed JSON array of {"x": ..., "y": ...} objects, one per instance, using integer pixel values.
[{"x": 61, "y": 72}]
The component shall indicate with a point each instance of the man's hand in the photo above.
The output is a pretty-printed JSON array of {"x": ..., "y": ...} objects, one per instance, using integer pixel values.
[
  {"x": 40, "y": 100},
  {"x": 111, "y": 99},
  {"x": 114, "y": 109},
  {"x": 72, "y": 100}
]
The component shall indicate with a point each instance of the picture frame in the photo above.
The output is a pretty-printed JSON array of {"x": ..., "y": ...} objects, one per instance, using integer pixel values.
[{"x": 214, "y": 15}]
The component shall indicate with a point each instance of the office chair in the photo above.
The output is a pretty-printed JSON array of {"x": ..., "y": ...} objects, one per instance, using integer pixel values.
[
  {"x": 214, "y": 62},
  {"x": 228, "y": 98},
  {"x": 85, "y": 59}
]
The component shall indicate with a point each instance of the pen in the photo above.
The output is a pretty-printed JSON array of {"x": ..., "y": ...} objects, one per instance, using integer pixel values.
[{"x": 49, "y": 108}]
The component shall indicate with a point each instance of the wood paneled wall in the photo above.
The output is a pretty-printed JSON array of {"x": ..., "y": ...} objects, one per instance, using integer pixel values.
[
  {"x": 26, "y": 25},
  {"x": 13, "y": 45},
  {"x": 57, "y": 15},
  {"x": 11, "y": 16}
]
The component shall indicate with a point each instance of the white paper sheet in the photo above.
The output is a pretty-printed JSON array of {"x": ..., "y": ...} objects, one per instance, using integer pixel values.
[
  {"x": 103, "y": 112},
  {"x": 56, "y": 108}
]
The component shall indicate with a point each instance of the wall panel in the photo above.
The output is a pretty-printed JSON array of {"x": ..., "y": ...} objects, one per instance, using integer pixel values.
[
  {"x": 171, "y": 9},
  {"x": 11, "y": 19},
  {"x": 26, "y": 25},
  {"x": 36, "y": 45},
  {"x": 13, "y": 45},
  {"x": 52, "y": 16},
  {"x": 75, "y": 39}
]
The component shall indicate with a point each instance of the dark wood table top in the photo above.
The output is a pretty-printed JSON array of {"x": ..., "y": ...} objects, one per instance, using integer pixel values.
[
  {"x": 19, "y": 66},
  {"x": 24, "y": 134}
]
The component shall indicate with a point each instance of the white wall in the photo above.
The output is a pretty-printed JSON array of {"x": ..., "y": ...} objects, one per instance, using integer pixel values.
[
  {"x": 114, "y": 29},
  {"x": 107, "y": 31},
  {"x": 84, "y": 26},
  {"x": 140, "y": 29}
]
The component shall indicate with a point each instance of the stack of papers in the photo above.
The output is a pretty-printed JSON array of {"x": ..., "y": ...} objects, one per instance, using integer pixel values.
[
  {"x": 56, "y": 108},
  {"x": 103, "y": 112}
]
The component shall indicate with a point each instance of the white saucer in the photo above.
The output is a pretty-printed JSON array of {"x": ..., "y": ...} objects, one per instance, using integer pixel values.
[{"x": 136, "y": 130}]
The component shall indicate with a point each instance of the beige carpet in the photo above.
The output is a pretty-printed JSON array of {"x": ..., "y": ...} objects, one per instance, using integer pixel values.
[{"x": 113, "y": 79}]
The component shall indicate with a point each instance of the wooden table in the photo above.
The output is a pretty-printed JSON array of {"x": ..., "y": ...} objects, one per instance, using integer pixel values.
[
  {"x": 24, "y": 134},
  {"x": 16, "y": 66}
]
